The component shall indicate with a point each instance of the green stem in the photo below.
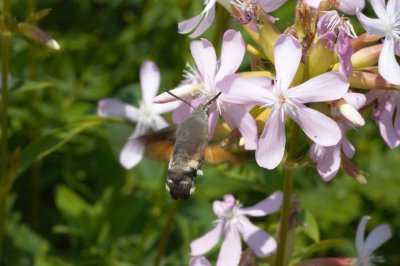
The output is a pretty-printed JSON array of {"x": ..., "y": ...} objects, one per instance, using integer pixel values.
[
  {"x": 4, "y": 117},
  {"x": 165, "y": 233},
  {"x": 287, "y": 195}
]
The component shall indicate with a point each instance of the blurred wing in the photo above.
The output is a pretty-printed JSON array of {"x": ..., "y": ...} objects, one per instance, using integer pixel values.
[
  {"x": 161, "y": 150},
  {"x": 214, "y": 154}
]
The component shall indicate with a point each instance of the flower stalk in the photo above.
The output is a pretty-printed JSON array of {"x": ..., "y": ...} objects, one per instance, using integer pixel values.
[{"x": 282, "y": 258}]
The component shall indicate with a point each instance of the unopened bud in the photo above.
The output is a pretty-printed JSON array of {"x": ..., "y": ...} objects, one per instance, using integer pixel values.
[
  {"x": 188, "y": 91},
  {"x": 364, "y": 40},
  {"x": 39, "y": 36},
  {"x": 366, "y": 57},
  {"x": 352, "y": 170},
  {"x": 350, "y": 113},
  {"x": 369, "y": 80}
]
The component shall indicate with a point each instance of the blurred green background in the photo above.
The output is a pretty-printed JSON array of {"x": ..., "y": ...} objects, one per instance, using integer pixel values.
[{"x": 77, "y": 206}]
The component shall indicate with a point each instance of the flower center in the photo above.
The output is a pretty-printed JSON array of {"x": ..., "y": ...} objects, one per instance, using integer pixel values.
[
  {"x": 146, "y": 115},
  {"x": 249, "y": 12}
]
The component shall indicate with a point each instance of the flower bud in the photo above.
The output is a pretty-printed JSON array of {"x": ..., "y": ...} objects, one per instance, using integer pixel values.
[
  {"x": 39, "y": 36},
  {"x": 352, "y": 170},
  {"x": 364, "y": 40},
  {"x": 369, "y": 80},
  {"x": 366, "y": 57},
  {"x": 320, "y": 59},
  {"x": 350, "y": 113},
  {"x": 327, "y": 262}
]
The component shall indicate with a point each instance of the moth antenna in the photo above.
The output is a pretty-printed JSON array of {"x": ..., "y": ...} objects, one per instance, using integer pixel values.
[
  {"x": 179, "y": 98},
  {"x": 213, "y": 99}
]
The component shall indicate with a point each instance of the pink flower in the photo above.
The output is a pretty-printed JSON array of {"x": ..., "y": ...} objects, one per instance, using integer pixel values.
[
  {"x": 365, "y": 247},
  {"x": 206, "y": 82},
  {"x": 387, "y": 115},
  {"x": 147, "y": 116},
  {"x": 232, "y": 222},
  {"x": 348, "y": 7},
  {"x": 328, "y": 158},
  {"x": 290, "y": 102},
  {"x": 338, "y": 30},
  {"x": 387, "y": 25},
  {"x": 199, "y": 261}
]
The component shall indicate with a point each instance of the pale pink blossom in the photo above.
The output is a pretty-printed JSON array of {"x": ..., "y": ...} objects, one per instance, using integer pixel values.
[
  {"x": 199, "y": 261},
  {"x": 206, "y": 81},
  {"x": 231, "y": 223},
  {"x": 348, "y": 7},
  {"x": 328, "y": 158},
  {"x": 147, "y": 117},
  {"x": 387, "y": 25},
  {"x": 290, "y": 102},
  {"x": 375, "y": 239},
  {"x": 387, "y": 115}
]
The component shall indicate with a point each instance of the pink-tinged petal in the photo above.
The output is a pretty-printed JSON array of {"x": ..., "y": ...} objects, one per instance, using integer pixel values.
[
  {"x": 387, "y": 65},
  {"x": 220, "y": 207},
  {"x": 357, "y": 100},
  {"x": 317, "y": 126},
  {"x": 260, "y": 242},
  {"x": 232, "y": 53},
  {"x": 270, "y": 6},
  {"x": 348, "y": 148},
  {"x": 182, "y": 112},
  {"x": 249, "y": 91},
  {"x": 379, "y": 8},
  {"x": 326, "y": 87},
  {"x": 231, "y": 249},
  {"x": 199, "y": 261},
  {"x": 205, "y": 23},
  {"x": 385, "y": 123},
  {"x": 149, "y": 81},
  {"x": 372, "y": 95},
  {"x": 397, "y": 118},
  {"x": 205, "y": 243},
  {"x": 313, "y": 3},
  {"x": 360, "y": 234},
  {"x": 287, "y": 55},
  {"x": 190, "y": 24},
  {"x": 329, "y": 164},
  {"x": 206, "y": 60},
  {"x": 266, "y": 206},
  {"x": 350, "y": 7},
  {"x": 212, "y": 122},
  {"x": 237, "y": 117},
  {"x": 164, "y": 107},
  {"x": 377, "y": 237},
  {"x": 132, "y": 152},
  {"x": 116, "y": 109},
  {"x": 371, "y": 25},
  {"x": 271, "y": 145}
]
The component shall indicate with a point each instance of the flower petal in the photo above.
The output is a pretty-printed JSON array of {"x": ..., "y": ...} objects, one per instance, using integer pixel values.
[
  {"x": 190, "y": 24},
  {"x": 385, "y": 122},
  {"x": 132, "y": 152},
  {"x": 231, "y": 249},
  {"x": 212, "y": 122},
  {"x": 232, "y": 53},
  {"x": 287, "y": 55},
  {"x": 379, "y": 7},
  {"x": 317, "y": 126},
  {"x": 371, "y": 25},
  {"x": 237, "y": 117},
  {"x": 249, "y": 91},
  {"x": 329, "y": 164},
  {"x": 313, "y": 3},
  {"x": 164, "y": 107},
  {"x": 377, "y": 237},
  {"x": 184, "y": 91},
  {"x": 387, "y": 65},
  {"x": 158, "y": 123},
  {"x": 326, "y": 87},
  {"x": 266, "y": 206},
  {"x": 199, "y": 261},
  {"x": 206, "y": 61},
  {"x": 360, "y": 234},
  {"x": 348, "y": 148},
  {"x": 270, "y": 6},
  {"x": 113, "y": 108},
  {"x": 182, "y": 112},
  {"x": 392, "y": 7},
  {"x": 205, "y": 243},
  {"x": 205, "y": 23},
  {"x": 357, "y": 100},
  {"x": 149, "y": 81},
  {"x": 260, "y": 242},
  {"x": 271, "y": 145},
  {"x": 350, "y": 7}
]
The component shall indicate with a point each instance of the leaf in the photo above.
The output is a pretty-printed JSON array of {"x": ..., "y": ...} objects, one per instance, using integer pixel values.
[
  {"x": 324, "y": 245},
  {"x": 30, "y": 86},
  {"x": 310, "y": 227},
  {"x": 53, "y": 141}
]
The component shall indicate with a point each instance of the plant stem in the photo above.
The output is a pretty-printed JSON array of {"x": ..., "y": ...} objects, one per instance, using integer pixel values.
[
  {"x": 287, "y": 195},
  {"x": 4, "y": 120},
  {"x": 165, "y": 234}
]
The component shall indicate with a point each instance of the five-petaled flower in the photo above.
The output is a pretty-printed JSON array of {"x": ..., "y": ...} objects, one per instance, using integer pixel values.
[
  {"x": 147, "y": 116},
  {"x": 387, "y": 25},
  {"x": 290, "y": 102},
  {"x": 232, "y": 222}
]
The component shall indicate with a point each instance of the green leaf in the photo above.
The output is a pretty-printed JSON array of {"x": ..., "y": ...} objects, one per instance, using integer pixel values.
[
  {"x": 53, "y": 141},
  {"x": 325, "y": 245},
  {"x": 310, "y": 227},
  {"x": 30, "y": 86}
]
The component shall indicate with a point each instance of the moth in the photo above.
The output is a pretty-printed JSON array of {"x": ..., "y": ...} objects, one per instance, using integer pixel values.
[{"x": 187, "y": 147}]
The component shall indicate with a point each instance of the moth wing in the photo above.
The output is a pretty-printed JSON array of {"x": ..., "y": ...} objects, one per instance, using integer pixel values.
[
  {"x": 160, "y": 150},
  {"x": 214, "y": 154}
]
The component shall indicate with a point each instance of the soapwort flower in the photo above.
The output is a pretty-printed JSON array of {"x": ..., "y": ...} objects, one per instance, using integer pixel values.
[
  {"x": 231, "y": 223},
  {"x": 348, "y": 7},
  {"x": 147, "y": 116},
  {"x": 375, "y": 239},
  {"x": 290, "y": 102},
  {"x": 205, "y": 81},
  {"x": 386, "y": 25},
  {"x": 328, "y": 158}
]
